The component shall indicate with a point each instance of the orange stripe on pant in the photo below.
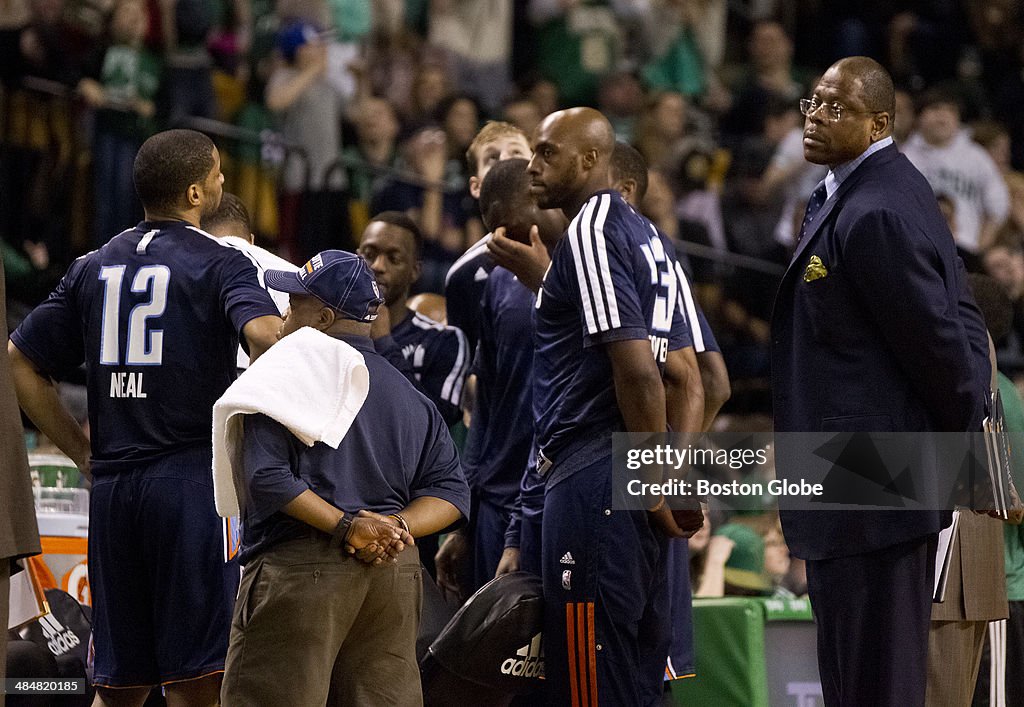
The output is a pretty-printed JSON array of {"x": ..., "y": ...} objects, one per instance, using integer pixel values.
[
  {"x": 592, "y": 653},
  {"x": 570, "y": 641},
  {"x": 581, "y": 652}
]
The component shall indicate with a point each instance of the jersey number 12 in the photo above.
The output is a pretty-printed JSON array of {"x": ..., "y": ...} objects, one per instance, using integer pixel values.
[{"x": 145, "y": 348}]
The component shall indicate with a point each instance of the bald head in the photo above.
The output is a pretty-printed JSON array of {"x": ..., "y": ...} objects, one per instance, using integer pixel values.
[
  {"x": 585, "y": 128},
  {"x": 572, "y": 151},
  {"x": 876, "y": 87}
]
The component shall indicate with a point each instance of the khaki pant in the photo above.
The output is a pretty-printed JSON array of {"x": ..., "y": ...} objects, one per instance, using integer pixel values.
[
  {"x": 954, "y": 654},
  {"x": 311, "y": 622}
]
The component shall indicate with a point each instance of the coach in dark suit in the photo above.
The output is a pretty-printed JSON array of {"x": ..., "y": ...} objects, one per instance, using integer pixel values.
[{"x": 872, "y": 332}]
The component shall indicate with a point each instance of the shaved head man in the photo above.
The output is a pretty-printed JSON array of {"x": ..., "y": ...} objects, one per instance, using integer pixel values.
[
  {"x": 604, "y": 313},
  {"x": 572, "y": 151}
]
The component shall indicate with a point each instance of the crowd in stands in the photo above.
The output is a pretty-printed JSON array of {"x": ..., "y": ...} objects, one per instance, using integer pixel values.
[{"x": 330, "y": 111}]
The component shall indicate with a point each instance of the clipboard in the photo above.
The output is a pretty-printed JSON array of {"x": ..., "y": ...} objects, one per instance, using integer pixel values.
[
  {"x": 27, "y": 600},
  {"x": 943, "y": 558}
]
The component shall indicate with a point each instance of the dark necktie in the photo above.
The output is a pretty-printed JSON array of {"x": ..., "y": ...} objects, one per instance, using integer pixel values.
[{"x": 814, "y": 204}]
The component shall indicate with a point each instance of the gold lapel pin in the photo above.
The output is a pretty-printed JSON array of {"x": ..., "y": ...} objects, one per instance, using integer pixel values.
[{"x": 815, "y": 269}]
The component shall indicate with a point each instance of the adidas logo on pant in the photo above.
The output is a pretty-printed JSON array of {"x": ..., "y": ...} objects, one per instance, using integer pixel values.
[
  {"x": 528, "y": 663},
  {"x": 567, "y": 559}
]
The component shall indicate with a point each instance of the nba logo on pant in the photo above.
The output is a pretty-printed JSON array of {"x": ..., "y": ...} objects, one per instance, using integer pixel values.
[{"x": 567, "y": 579}]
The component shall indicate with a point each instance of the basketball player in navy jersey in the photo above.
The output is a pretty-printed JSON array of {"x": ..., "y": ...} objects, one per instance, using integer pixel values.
[
  {"x": 603, "y": 335},
  {"x": 156, "y": 314},
  {"x": 500, "y": 446},
  {"x": 438, "y": 354}
]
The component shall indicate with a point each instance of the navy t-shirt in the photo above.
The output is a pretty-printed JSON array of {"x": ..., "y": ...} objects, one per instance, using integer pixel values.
[
  {"x": 156, "y": 314},
  {"x": 501, "y": 436},
  {"x": 464, "y": 289},
  {"x": 397, "y": 449},
  {"x": 439, "y": 356},
  {"x": 611, "y": 279}
]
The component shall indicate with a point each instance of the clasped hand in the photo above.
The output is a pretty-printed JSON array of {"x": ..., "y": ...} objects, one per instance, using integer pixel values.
[{"x": 376, "y": 539}]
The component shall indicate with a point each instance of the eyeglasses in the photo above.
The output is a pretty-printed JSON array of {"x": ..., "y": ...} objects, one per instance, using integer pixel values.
[{"x": 833, "y": 112}]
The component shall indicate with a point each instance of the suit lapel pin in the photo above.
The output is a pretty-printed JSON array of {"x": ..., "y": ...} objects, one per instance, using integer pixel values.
[{"x": 815, "y": 269}]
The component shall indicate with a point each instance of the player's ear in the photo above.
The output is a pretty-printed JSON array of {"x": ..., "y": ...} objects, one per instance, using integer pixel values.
[
  {"x": 628, "y": 189},
  {"x": 474, "y": 187},
  {"x": 879, "y": 124},
  {"x": 195, "y": 194},
  {"x": 325, "y": 319},
  {"x": 590, "y": 159}
]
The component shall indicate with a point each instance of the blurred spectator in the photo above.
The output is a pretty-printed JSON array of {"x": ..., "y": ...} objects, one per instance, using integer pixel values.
[
  {"x": 351, "y": 19},
  {"x": 459, "y": 115},
  {"x": 955, "y": 165},
  {"x": 477, "y": 34},
  {"x": 48, "y": 46},
  {"x": 308, "y": 111},
  {"x": 350, "y": 23},
  {"x": 947, "y": 207},
  {"x": 314, "y": 12},
  {"x": 123, "y": 97},
  {"x": 1004, "y": 262},
  {"x": 186, "y": 26},
  {"x": 686, "y": 43},
  {"x": 1015, "y": 183},
  {"x": 621, "y": 97},
  {"x": 430, "y": 88},
  {"x": 661, "y": 128},
  {"x": 690, "y": 175},
  {"x": 770, "y": 73},
  {"x": 545, "y": 94},
  {"x": 14, "y": 16},
  {"x": 995, "y": 138},
  {"x": 790, "y": 178},
  {"x": 231, "y": 38},
  {"x": 924, "y": 40},
  {"x": 577, "y": 43},
  {"x": 903, "y": 121},
  {"x": 757, "y": 206},
  {"x": 376, "y": 127},
  {"x": 998, "y": 31},
  {"x": 735, "y": 564},
  {"x": 523, "y": 113},
  {"x": 438, "y": 207},
  {"x": 391, "y": 64}
]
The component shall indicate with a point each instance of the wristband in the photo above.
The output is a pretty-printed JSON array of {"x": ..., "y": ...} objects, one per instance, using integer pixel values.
[
  {"x": 401, "y": 521},
  {"x": 340, "y": 533}
]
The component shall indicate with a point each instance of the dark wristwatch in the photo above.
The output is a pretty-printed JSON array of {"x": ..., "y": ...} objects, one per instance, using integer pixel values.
[{"x": 341, "y": 531}]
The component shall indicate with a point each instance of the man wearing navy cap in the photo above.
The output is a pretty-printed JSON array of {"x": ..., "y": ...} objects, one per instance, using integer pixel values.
[{"x": 311, "y": 619}]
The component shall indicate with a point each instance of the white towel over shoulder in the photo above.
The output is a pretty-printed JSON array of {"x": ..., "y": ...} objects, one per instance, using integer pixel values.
[{"x": 310, "y": 382}]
